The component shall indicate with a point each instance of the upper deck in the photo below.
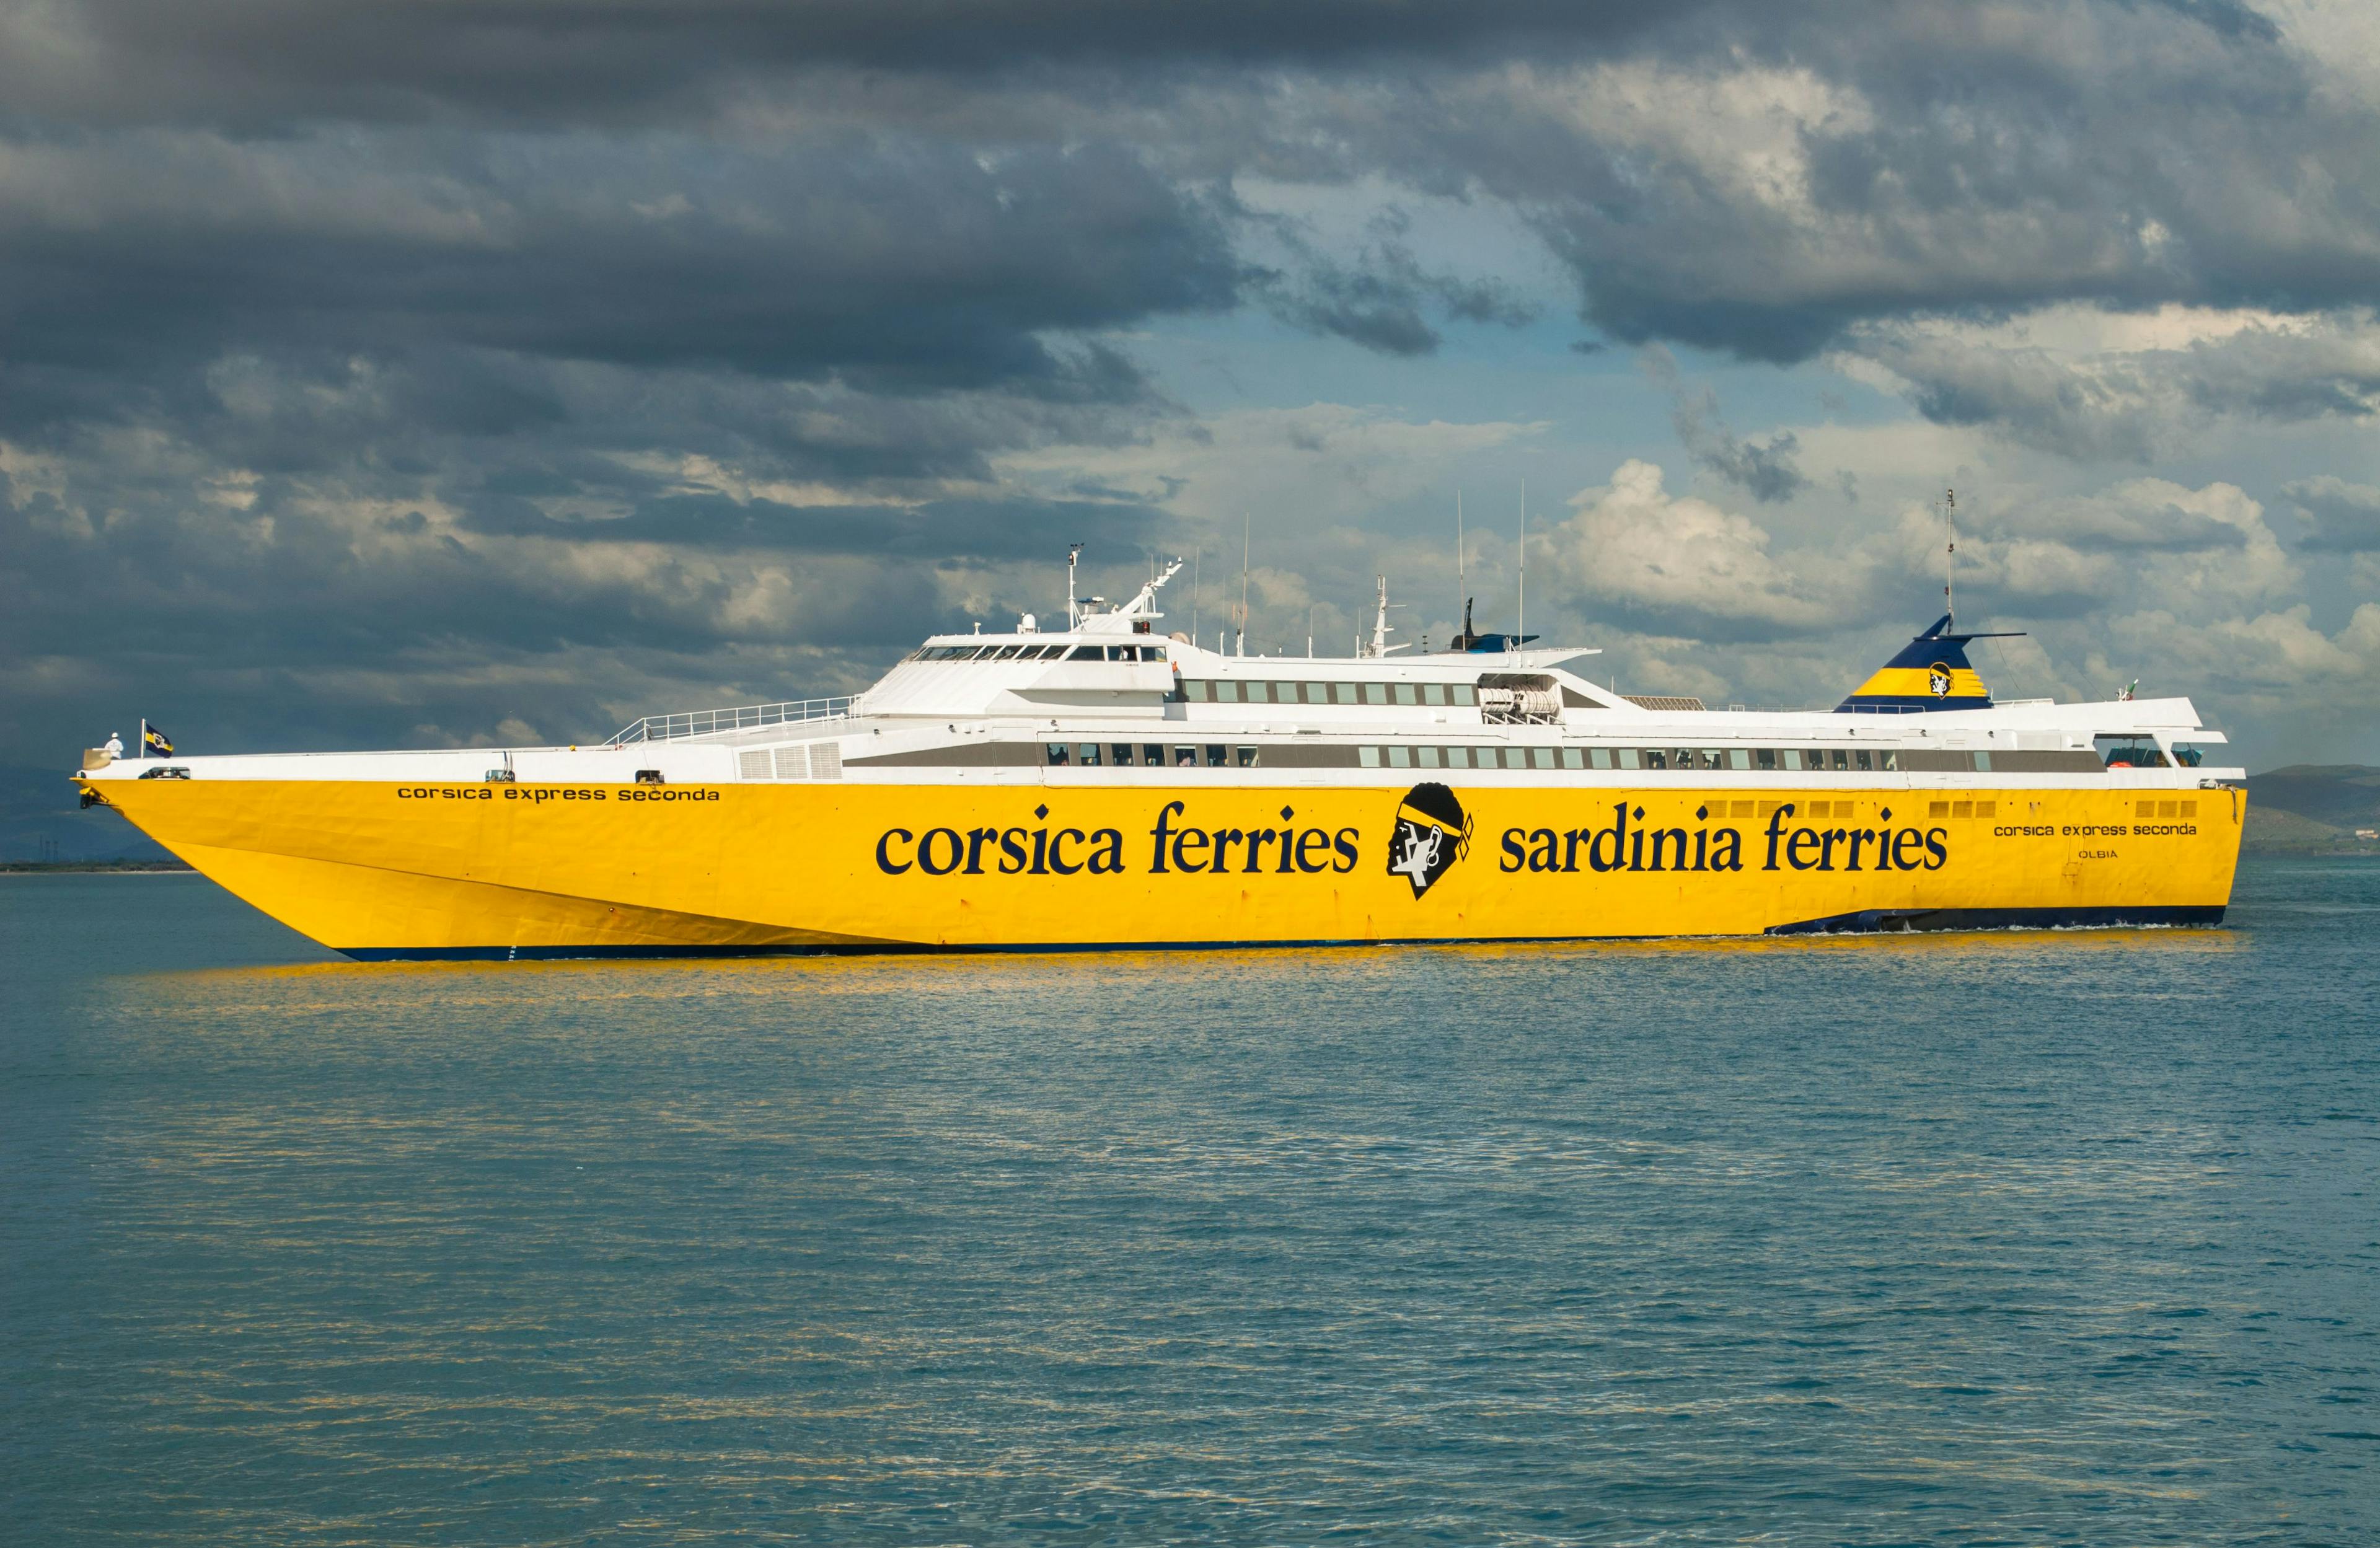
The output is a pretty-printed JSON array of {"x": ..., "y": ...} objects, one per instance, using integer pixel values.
[{"x": 1110, "y": 693}]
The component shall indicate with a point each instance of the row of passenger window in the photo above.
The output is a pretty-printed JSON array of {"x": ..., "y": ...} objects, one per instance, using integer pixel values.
[
  {"x": 1153, "y": 755},
  {"x": 1225, "y": 691},
  {"x": 1150, "y": 755},
  {"x": 1039, "y": 653},
  {"x": 1794, "y": 760}
]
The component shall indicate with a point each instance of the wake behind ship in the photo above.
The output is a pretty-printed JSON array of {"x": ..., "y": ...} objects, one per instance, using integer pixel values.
[{"x": 1108, "y": 785}]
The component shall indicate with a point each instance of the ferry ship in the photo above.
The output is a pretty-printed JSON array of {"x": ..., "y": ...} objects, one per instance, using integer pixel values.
[{"x": 1110, "y": 784}]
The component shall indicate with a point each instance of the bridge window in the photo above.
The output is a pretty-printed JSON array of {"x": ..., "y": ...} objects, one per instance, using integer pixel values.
[
  {"x": 1427, "y": 756},
  {"x": 1458, "y": 758},
  {"x": 1463, "y": 694},
  {"x": 1405, "y": 692},
  {"x": 1573, "y": 758},
  {"x": 1433, "y": 693},
  {"x": 1368, "y": 757},
  {"x": 1399, "y": 757}
]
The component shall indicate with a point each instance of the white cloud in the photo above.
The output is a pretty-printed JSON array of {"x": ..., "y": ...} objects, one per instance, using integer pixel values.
[{"x": 1682, "y": 562}]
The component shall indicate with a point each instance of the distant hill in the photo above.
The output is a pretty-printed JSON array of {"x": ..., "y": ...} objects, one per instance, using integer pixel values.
[
  {"x": 2312, "y": 808},
  {"x": 40, "y": 820}
]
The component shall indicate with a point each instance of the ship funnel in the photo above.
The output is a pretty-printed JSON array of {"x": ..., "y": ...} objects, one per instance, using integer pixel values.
[{"x": 1931, "y": 673}]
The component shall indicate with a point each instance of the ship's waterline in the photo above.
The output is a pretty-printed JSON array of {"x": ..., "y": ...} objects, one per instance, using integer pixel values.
[{"x": 1109, "y": 786}]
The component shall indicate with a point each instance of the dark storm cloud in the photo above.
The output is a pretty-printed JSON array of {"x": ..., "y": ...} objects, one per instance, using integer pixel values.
[
  {"x": 2338, "y": 517},
  {"x": 2132, "y": 404},
  {"x": 396, "y": 354},
  {"x": 596, "y": 60},
  {"x": 1759, "y": 178},
  {"x": 1766, "y": 470},
  {"x": 989, "y": 531},
  {"x": 1383, "y": 299},
  {"x": 903, "y": 265}
]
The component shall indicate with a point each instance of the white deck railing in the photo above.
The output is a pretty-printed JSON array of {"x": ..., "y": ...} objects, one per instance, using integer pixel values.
[{"x": 709, "y": 722}]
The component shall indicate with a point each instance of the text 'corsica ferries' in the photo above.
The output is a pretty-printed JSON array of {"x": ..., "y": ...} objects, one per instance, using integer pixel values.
[{"x": 1108, "y": 785}]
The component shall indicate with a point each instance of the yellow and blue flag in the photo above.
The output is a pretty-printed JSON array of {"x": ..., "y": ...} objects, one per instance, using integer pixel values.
[{"x": 156, "y": 740}]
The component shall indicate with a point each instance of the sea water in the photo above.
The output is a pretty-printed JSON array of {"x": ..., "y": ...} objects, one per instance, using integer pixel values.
[{"x": 2006, "y": 1237}]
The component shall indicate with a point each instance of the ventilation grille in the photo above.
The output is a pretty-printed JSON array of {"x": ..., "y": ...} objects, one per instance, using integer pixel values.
[{"x": 799, "y": 760}]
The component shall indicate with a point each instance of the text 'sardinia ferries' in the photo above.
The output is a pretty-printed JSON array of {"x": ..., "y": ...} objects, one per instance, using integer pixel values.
[{"x": 1108, "y": 784}]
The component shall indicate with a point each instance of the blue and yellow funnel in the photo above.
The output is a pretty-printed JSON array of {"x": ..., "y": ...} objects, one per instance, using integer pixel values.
[{"x": 1930, "y": 673}]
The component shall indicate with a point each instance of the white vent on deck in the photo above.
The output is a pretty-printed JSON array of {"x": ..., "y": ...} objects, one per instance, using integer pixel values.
[
  {"x": 791, "y": 764},
  {"x": 826, "y": 760},
  {"x": 753, "y": 764}
]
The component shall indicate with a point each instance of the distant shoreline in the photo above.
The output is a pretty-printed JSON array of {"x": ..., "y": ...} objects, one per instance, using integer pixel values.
[{"x": 95, "y": 868}]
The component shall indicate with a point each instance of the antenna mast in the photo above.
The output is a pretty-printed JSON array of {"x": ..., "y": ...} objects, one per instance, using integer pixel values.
[
  {"x": 1458, "y": 553},
  {"x": 1247, "y": 522},
  {"x": 1379, "y": 646},
  {"x": 1520, "y": 625},
  {"x": 1951, "y": 554},
  {"x": 1073, "y": 553}
]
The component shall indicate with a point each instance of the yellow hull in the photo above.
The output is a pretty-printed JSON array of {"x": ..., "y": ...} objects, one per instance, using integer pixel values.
[{"x": 377, "y": 869}]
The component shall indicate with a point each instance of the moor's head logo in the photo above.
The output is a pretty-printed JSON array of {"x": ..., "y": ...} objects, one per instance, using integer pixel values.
[
  {"x": 1432, "y": 834},
  {"x": 1938, "y": 678}
]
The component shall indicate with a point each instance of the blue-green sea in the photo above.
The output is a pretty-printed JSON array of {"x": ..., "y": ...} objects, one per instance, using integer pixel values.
[{"x": 2026, "y": 1238}]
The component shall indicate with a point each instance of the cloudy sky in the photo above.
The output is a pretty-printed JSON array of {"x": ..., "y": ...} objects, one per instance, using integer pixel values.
[{"x": 411, "y": 372}]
